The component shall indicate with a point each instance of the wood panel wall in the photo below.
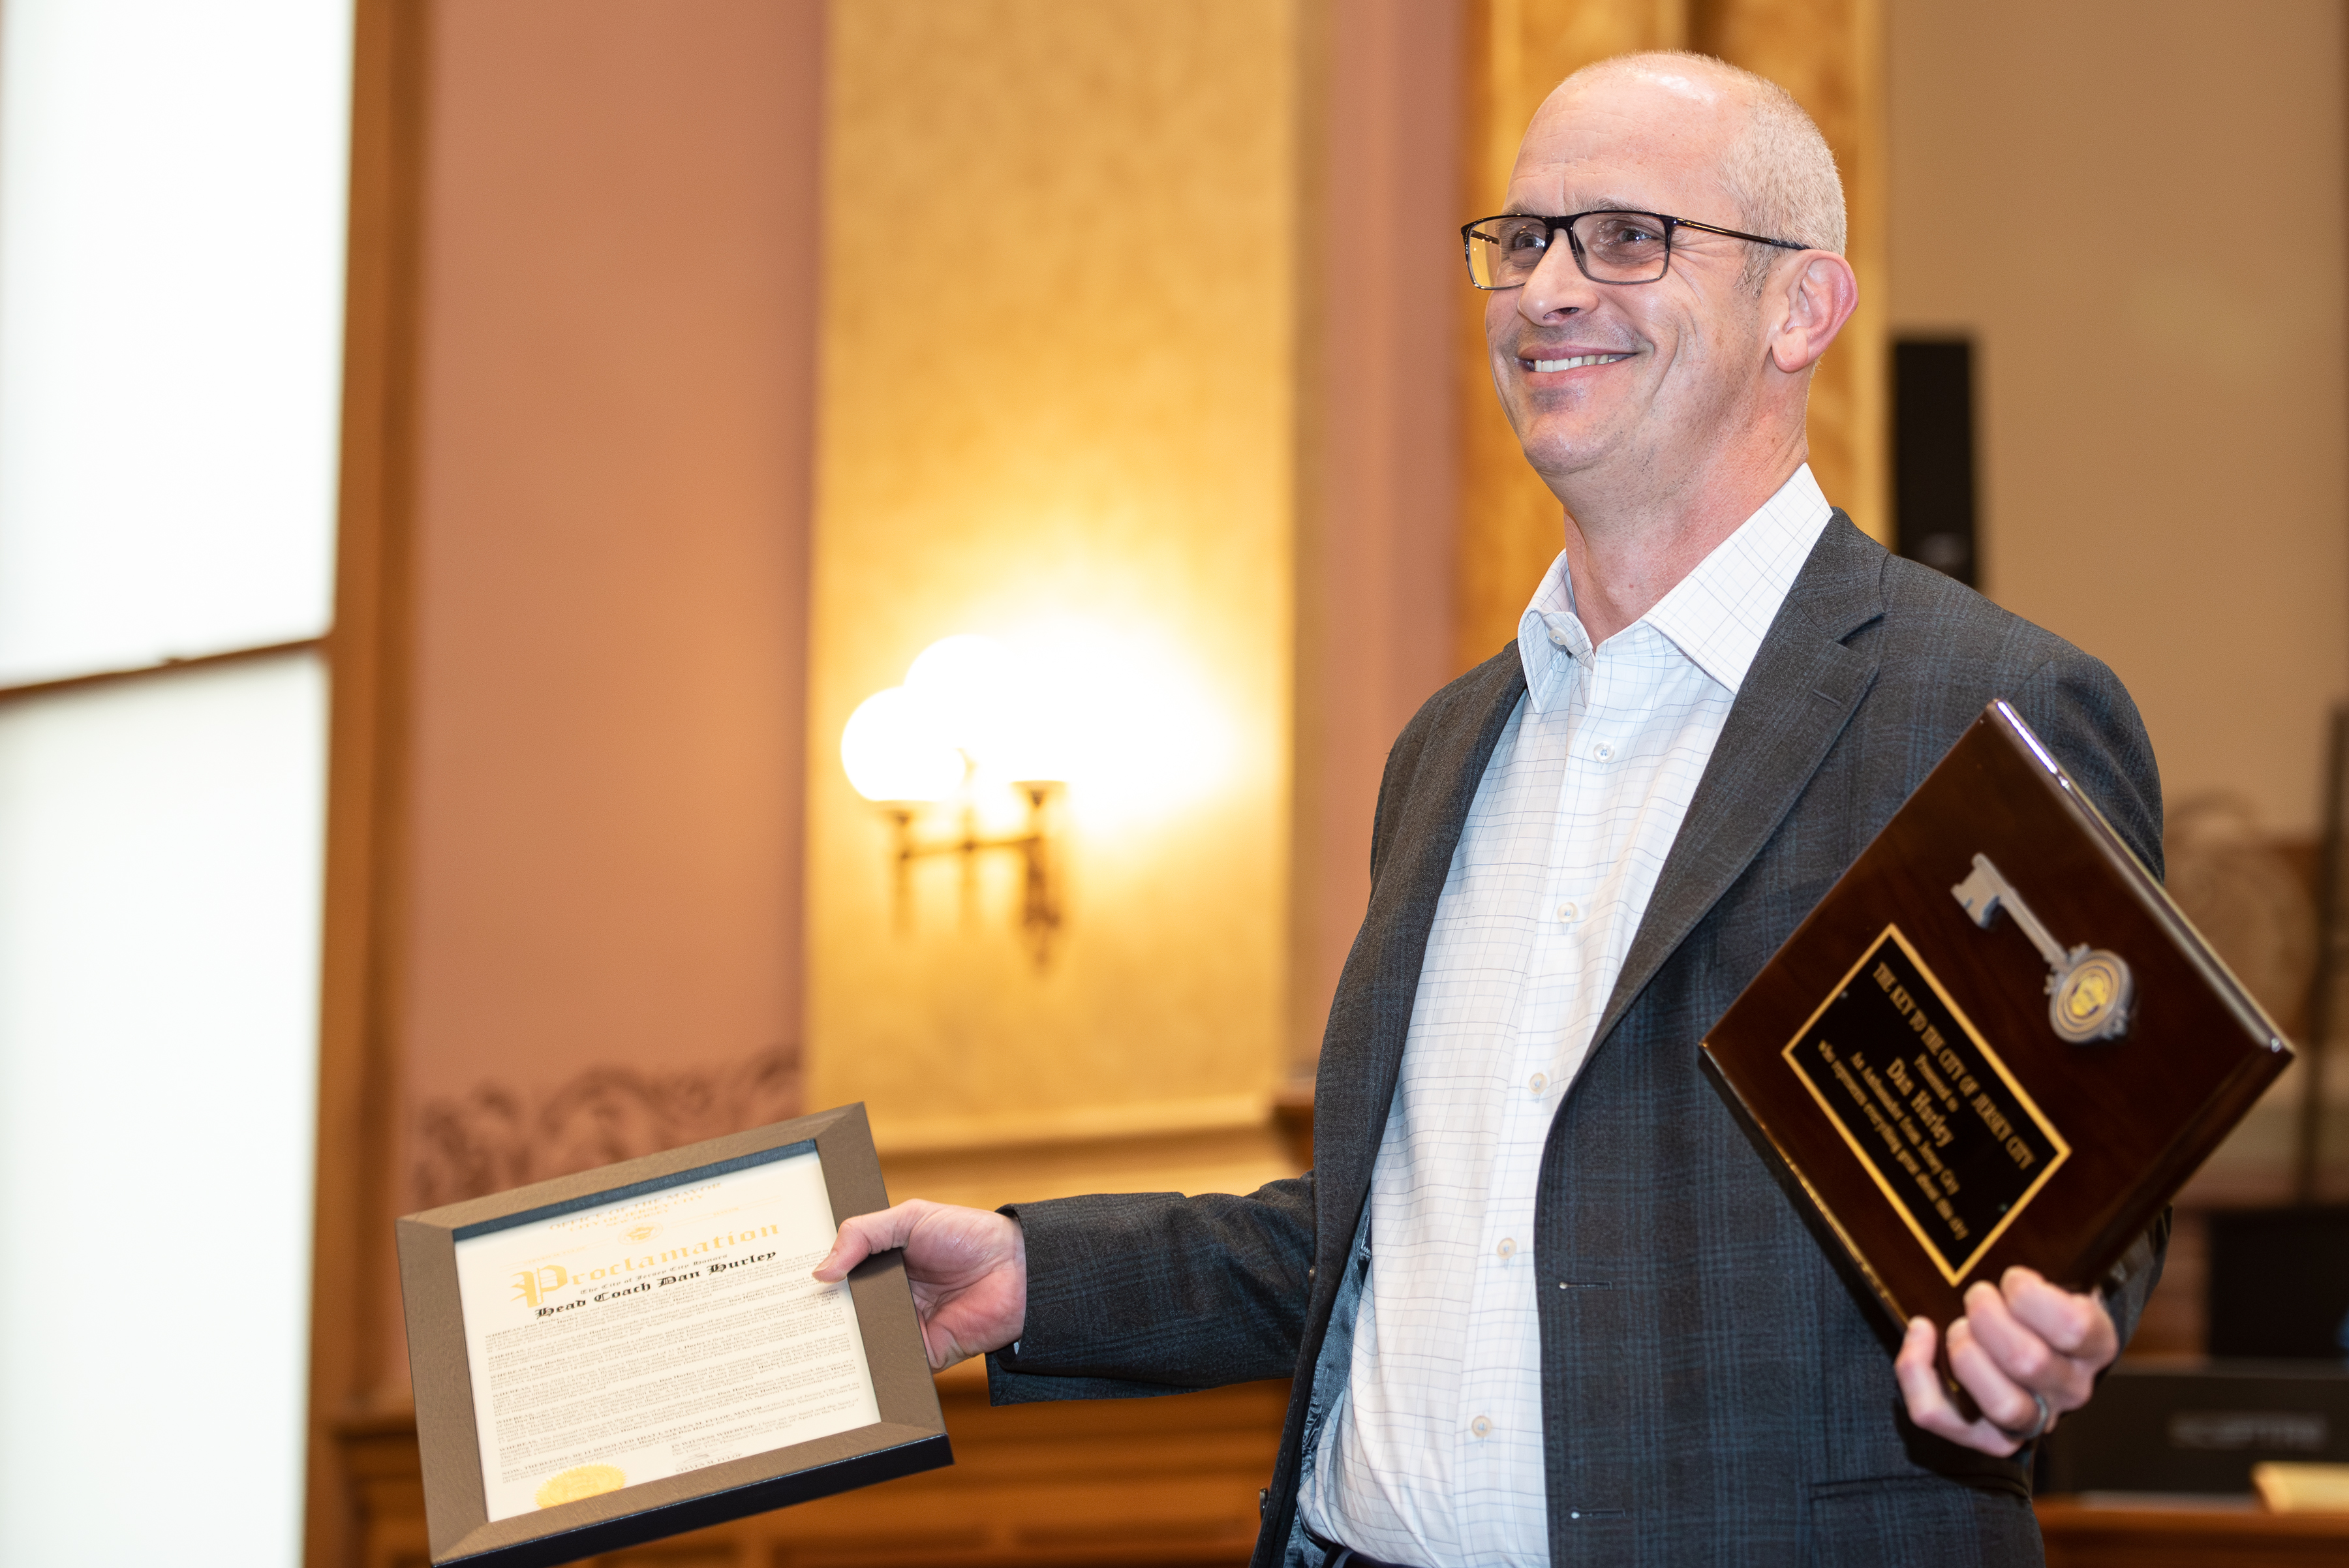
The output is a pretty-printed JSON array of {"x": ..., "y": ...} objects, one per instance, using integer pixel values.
[
  {"x": 1830, "y": 55},
  {"x": 1827, "y": 53}
]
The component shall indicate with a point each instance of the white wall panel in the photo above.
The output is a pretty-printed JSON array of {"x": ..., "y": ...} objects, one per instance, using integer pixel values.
[
  {"x": 171, "y": 232},
  {"x": 161, "y": 848}
]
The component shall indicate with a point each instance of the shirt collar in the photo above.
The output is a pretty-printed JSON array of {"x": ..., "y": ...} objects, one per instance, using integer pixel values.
[{"x": 1716, "y": 616}]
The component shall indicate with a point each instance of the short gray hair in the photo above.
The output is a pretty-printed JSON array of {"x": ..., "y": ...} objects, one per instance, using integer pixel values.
[{"x": 1780, "y": 170}]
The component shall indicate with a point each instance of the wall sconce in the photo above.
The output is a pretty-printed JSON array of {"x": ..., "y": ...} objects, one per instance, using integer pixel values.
[{"x": 926, "y": 752}]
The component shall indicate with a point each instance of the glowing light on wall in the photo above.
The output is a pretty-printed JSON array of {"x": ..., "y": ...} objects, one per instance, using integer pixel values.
[
  {"x": 978, "y": 748},
  {"x": 1118, "y": 715},
  {"x": 1141, "y": 732}
]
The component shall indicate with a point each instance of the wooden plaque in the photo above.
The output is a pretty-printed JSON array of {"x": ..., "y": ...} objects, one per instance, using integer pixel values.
[
  {"x": 1996, "y": 1041},
  {"x": 652, "y": 1335}
]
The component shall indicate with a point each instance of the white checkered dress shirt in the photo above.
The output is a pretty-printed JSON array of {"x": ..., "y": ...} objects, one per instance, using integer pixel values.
[{"x": 1433, "y": 1456}]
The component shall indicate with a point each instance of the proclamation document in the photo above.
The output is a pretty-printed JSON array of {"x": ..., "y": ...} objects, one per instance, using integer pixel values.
[{"x": 659, "y": 1333}]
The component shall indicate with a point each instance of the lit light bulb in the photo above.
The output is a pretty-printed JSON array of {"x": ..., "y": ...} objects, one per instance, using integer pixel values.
[
  {"x": 970, "y": 685},
  {"x": 894, "y": 750}
]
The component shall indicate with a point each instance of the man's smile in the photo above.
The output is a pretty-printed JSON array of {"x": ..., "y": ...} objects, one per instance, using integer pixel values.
[{"x": 1571, "y": 362}]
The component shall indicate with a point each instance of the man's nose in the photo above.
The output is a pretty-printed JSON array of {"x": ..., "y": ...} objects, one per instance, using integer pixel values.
[{"x": 1558, "y": 288}]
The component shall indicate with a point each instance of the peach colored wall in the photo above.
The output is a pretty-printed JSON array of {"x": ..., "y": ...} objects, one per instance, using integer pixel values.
[
  {"x": 614, "y": 405},
  {"x": 1377, "y": 521},
  {"x": 2137, "y": 208}
]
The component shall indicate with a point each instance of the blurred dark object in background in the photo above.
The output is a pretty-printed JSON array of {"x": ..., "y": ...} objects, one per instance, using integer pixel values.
[
  {"x": 2280, "y": 1283},
  {"x": 1933, "y": 454},
  {"x": 2196, "y": 1429}
]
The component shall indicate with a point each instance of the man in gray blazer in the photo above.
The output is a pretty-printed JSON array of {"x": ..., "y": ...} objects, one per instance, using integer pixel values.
[{"x": 1565, "y": 1314}]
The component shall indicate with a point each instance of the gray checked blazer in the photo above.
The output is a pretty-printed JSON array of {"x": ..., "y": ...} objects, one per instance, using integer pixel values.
[{"x": 1712, "y": 1392}]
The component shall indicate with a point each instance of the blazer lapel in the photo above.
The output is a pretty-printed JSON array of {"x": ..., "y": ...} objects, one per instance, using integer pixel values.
[
  {"x": 1362, "y": 1053},
  {"x": 1802, "y": 689}
]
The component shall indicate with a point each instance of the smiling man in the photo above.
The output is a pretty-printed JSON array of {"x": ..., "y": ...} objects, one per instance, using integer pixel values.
[{"x": 1540, "y": 1302}]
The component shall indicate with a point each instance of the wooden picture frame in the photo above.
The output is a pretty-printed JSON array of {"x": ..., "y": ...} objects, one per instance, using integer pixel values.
[{"x": 909, "y": 1437}]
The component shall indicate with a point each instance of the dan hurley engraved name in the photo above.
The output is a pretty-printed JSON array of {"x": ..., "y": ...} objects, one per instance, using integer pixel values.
[{"x": 1943, "y": 1129}]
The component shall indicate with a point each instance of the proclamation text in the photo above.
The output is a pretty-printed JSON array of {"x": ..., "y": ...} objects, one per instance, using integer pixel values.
[{"x": 658, "y": 1333}]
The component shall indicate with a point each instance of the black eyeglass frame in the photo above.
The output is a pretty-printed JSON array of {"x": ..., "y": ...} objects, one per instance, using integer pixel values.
[{"x": 1468, "y": 238}]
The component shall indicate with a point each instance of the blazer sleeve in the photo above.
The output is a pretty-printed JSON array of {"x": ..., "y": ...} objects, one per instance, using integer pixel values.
[
  {"x": 2081, "y": 711},
  {"x": 1140, "y": 1293},
  {"x": 2084, "y": 714}
]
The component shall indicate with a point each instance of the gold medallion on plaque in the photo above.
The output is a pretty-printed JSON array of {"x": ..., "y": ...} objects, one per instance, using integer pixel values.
[
  {"x": 2092, "y": 998},
  {"x": 2089, "y": 989}
]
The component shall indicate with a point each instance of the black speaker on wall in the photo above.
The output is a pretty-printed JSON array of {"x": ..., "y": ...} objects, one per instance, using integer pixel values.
[
  {"x": 1933, "y": 454},
  {"x": 2280, "y": 1283}
]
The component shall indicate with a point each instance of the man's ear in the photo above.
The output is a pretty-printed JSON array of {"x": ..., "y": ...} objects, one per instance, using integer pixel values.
[{"x": 1811, "y": 301}]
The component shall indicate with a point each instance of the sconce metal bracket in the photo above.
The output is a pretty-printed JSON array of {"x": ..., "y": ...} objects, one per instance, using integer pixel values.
[{"x": 1040, "y": 905}]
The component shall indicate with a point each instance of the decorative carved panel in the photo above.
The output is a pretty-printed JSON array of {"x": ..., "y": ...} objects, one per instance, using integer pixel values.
[{"x": 498, "y": 1136}]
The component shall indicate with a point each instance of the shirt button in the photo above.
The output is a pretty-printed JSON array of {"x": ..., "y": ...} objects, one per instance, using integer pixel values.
[
  {"x": 1506, "y": 1250},
  {"x": 1538, "y": 1083},
  {"x": 1557, "y": 637},
  {"x": 1602, "y": 753},
  {"x": 1481, "y": 1426},
  {"x": 1569, "y": 911}
]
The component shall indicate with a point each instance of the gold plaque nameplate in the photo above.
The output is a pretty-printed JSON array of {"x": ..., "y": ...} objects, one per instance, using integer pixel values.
[{"x": 1944, "y": 1131}]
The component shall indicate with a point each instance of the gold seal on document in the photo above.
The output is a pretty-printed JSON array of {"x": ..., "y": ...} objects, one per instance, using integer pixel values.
[{"x": 580, "y": 1480}]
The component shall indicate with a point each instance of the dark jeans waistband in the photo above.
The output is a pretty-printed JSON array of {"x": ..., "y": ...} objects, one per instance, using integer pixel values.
[{"x": 1336, "y": 1556}]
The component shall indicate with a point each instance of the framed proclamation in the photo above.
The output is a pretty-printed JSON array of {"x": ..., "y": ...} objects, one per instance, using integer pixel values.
[
  {"x": 611, "y": 1357},
  {"x": 1995, "y": 1041}
]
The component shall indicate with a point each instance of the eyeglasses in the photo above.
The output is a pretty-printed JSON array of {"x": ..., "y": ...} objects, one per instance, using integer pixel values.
[{"x": 1609, "y": 247}]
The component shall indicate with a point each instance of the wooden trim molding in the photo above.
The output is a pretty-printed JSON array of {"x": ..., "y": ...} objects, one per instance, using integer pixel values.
[
  {"x": 1170, "y": 1483},
  {"x": 367, "y": 654},
  {"x": 32, "y": 689},
  {"x": 1511, "y": 528},
  {"x": 1830, "y": 55}
]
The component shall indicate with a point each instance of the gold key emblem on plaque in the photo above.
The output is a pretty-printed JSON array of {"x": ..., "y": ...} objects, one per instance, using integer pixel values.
[{"x": 2089, "y": 989}]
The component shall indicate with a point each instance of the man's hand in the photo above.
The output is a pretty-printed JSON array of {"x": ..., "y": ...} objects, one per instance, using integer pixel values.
[
  {"x": 2023, "y": 1337},
  {"x": 968, "y": 1269}
]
